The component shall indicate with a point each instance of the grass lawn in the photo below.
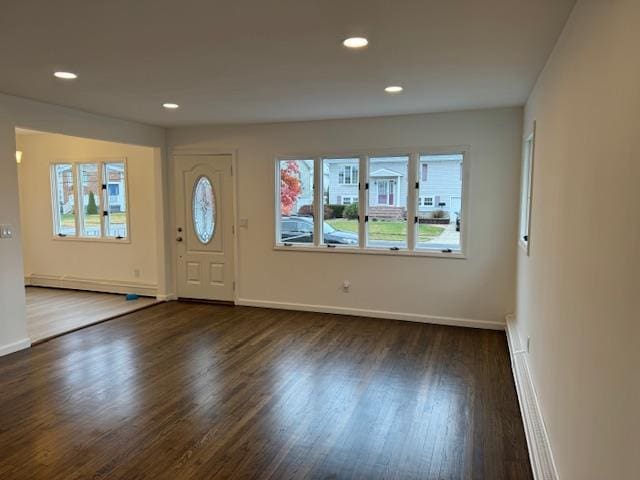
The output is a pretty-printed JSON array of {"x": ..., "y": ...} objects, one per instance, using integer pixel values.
[
  {"x": 387, "y": 229},
  {"x": 115, "y": 218}
]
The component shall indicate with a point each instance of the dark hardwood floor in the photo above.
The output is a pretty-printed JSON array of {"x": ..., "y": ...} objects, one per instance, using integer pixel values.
[{"x": 192, "y": 391}]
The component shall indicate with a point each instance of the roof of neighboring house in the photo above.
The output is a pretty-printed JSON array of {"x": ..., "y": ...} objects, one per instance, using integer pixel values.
[
  {"x": 436, "y": 157},
  {"x": 441, "y": 158},
  {"x": 401, "y": 159},
  {"x": 341, "y": 161},
  {"x": 385, "y": 172}
]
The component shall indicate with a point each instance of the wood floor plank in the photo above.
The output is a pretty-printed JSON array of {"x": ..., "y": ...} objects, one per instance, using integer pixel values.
[
  {"x": 195, "y": 391},
  {"x": 54, "y": 311}
]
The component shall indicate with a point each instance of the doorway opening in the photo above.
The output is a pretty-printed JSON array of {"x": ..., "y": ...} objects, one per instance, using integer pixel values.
[{"x": 89, "y": 223}]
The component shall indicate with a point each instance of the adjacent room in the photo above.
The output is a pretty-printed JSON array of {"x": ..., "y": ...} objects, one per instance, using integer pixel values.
[
  {"x": 319, "y": 240},
  {"x": 79, "y": 198}
]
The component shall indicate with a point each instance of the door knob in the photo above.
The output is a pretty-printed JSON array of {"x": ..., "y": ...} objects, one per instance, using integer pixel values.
[{"x": 179, "y": 239}]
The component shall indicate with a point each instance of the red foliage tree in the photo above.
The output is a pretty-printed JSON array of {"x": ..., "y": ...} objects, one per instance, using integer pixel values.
[{"x": 290, "y": 186}]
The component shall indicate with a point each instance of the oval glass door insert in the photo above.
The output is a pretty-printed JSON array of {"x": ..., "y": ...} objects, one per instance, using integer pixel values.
[{"x": 203, "y": 210}]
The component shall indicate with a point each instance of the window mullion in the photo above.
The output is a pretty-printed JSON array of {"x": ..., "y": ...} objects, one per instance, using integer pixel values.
[
  {"x": 277, "y": 206},
  {"x": 412, "y": 194},
  {"x": 464, "y": 203},
  {"x": 103, "y": 203},
  {"x": 318, "y": 202},
  {"x": 76, "y": 196},
  {"x": 57, "y": 216},
  {"x": 55, "y": 190},
  {"x": 363, "y": 199}
]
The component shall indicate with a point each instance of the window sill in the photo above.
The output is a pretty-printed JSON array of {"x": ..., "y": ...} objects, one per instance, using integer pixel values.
[
  {"x": 92, "y": 240},
  {"x": 403, "y": 252}
]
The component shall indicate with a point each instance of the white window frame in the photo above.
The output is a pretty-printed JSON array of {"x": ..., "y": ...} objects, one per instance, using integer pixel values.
[
  {"x": 351, "y": 198},
  {"x": 80, "y": 194},
  {"x": 395, "y": 189},
  {"x": 357, "y": 181},
  {"x": 526, "y": 190},
  {"x": 464, "y": 204},
  {"x": 353, "y": 179},
  {"x": 55, "y": 214},
  {"x": 421, "y": 169},
  {"x": 414, "y": 155},
  {"x": 422, "y": 201},
  {"x": 317, "y": 200},
  {"x": 105, "y": 196}
]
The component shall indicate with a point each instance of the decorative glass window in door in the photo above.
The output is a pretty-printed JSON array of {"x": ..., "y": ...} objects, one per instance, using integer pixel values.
[{"x": 204, "y": 210}]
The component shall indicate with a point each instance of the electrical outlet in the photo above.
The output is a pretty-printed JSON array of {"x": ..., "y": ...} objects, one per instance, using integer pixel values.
[
  {"x": 244, "y": 223},
  {"x": 346, "y": 285},
  {"x": 6, "y": 231},
  {"x": 136, "y": 272}
]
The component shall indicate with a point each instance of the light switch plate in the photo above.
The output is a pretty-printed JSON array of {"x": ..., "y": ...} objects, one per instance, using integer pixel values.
[{"x": 6, "y": 231}]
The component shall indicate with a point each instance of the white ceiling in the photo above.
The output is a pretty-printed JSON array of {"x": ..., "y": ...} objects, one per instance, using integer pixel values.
[{"x": 241, "y": 61}]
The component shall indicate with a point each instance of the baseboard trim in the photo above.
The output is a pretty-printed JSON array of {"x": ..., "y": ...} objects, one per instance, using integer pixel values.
[
  {"x": 540, "y": 452},
  {"x": 15, "y": 346},
  {"x": 167, "y": 297},
  {"x": 360, "y": 312},
  {"x": 92, "y": 284}
]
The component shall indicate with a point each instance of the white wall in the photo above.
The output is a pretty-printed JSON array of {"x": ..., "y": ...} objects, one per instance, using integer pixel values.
[
  {"x": 478, "y": 288},
  {"x": 13, "y": 329},
  {"x": 24, "y": 113},
  {"x": 111, "y": 263},
  {"x": 578, "y": 291},
  {"x": 45, "y": 117}
]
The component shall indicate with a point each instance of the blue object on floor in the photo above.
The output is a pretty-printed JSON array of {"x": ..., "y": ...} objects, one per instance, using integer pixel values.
[{"x": 132, "y": 296}]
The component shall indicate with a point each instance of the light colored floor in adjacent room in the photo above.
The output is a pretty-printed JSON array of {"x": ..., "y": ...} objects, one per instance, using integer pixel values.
[{"x": 53, "y": 311}]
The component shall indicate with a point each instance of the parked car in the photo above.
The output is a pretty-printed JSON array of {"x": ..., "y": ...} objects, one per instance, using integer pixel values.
[
  {"x": 300, "y": 230},
  {"x": 457, "y": 221}
]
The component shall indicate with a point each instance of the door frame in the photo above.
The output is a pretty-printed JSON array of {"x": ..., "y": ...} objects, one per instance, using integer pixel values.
[{"x": 177, "y": 151}]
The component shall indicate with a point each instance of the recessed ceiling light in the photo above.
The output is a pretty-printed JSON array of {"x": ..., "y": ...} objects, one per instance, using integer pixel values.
[
  {"x": 356, "y": 42},
  {"x": 170, "y": 106},
  {"x": 65, "y": 75},
  {"x": 393, "y": 89}
]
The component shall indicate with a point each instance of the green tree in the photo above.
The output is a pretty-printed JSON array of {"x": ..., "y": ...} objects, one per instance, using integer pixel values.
[{"x": 92, "y": 206}]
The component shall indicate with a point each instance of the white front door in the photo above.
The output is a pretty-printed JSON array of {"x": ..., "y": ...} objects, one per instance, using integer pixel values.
[
  {"x": 204, "y": 227},
  {"x": 455, "y": 207},
  {"x": 386, "y": 192}
]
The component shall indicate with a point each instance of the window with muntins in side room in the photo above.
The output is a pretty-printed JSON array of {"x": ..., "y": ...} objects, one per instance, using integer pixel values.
[{"x": 90, "y": 200}]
